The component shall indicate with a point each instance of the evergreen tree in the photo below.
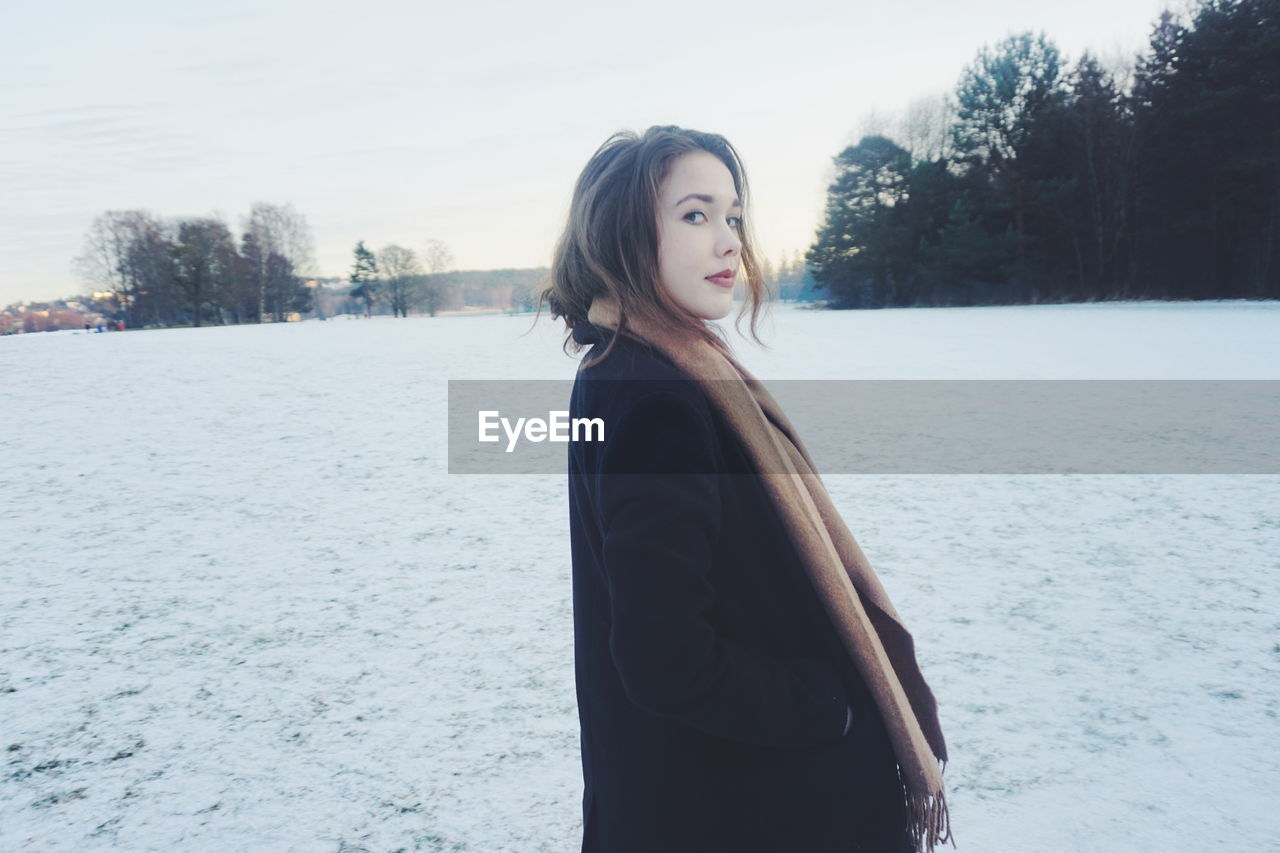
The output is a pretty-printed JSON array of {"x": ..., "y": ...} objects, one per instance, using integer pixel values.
[
  {"x": 1100, "y": 141},
  {"x": 1159, "y": 159},
  {"x": 364, "y": 277},
  {"x": 252, "y": 274},
  {"x": 1207, "y": 108},
  {"x": 1008, "y": 130},
  {"x": 964, "y": 263},
  {"x": 858, "y": 254},
  {"x": 204, "y": 267},
  {"x": 803, "y": 284}
]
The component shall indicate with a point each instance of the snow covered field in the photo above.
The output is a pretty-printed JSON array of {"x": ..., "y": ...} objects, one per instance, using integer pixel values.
[{"x": 244, "y": 608}]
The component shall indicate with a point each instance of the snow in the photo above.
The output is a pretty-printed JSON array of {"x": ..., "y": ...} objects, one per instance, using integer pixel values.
[{"x": 246, "y": 609}]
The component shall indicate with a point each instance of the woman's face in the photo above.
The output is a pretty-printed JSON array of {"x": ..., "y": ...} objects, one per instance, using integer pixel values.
[{"x": 698, "y": 218}]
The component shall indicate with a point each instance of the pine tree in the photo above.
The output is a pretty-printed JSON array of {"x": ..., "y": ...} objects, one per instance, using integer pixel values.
[
  {"x": 364, "y": 277},
  {"x": 1207, "y": 104},
  {"x": 1008, "y": 130},
  {"x": 856, "y": 255},
  {"x": 1100, "y": 141}
]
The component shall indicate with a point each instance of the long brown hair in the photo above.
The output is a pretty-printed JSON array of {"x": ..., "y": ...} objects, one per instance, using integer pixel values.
[{"x": 610, "y": 242}]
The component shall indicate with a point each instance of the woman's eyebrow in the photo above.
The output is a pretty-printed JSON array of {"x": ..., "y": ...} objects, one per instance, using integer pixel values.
[{"x": 705, "y": 199}]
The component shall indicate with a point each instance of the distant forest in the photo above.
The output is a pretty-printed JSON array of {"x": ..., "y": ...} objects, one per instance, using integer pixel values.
[
  {"x": 150, "y": 271},
  {"x": 1035, "y": 182}
]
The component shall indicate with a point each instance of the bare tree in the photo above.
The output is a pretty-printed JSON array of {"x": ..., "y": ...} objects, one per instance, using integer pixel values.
[
  {"x": 102, "y": 262},
  {"x": 1117, "y": 61},
  {"x": 925, "y": 128},
  {"x": 401, "y": 278},
  {"x": 438, "y": 261},
  {"x": 110, "y": 260},
  {"x": 437, "y": 257},
  {"x": 280, "y": 230},
  {"x": 873, "y": 122}
]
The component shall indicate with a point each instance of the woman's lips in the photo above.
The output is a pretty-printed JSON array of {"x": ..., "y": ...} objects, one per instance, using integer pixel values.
[{"x": 722, "y": 280}]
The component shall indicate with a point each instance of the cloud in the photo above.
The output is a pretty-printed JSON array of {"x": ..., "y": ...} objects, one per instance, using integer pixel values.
[
  {"x": 81, "y": 110},
  {"x": 97, "y": 127}
]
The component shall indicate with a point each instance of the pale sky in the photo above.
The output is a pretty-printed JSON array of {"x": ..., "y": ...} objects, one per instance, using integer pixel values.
[{"x": 394, "y": 122}]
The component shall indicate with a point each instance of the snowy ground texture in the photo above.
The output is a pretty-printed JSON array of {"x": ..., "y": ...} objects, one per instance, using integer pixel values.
[{"x": 244, "y": 608}]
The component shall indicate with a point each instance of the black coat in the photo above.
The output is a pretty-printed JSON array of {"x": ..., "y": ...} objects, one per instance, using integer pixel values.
[{"x": 712, "y": 689}]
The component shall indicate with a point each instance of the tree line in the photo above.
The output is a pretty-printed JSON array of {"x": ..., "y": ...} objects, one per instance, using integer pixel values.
[
  {"x": 1035, "y": 181},
  {"x": 401, "y": 279},
  {"x": 194, "y": 271}
]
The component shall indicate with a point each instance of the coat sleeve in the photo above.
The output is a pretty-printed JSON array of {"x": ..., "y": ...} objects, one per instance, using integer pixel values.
[{"x": 660, "y": 512}]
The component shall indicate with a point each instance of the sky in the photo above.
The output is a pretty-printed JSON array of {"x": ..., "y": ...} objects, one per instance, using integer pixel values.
[{"x": 399, "y": 122}]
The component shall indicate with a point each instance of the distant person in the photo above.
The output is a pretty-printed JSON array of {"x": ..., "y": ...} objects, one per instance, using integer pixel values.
[{"x": 744, "y": 684}]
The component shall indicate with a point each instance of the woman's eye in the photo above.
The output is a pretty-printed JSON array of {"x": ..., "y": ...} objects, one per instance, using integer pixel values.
[{"x": 734, "y": 221}]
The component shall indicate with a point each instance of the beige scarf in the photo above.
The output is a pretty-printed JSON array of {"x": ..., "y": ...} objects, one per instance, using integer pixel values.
[{"x": 872, "y": 632}]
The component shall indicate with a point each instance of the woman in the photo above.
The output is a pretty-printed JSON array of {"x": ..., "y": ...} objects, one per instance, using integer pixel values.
[{"x": 735, "y": 656}]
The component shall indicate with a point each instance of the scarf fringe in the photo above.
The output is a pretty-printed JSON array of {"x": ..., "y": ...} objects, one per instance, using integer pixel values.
[{"x": 928, "y": 819}]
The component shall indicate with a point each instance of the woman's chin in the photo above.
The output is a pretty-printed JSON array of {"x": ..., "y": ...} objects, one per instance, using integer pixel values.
[{"x": 716, "y": 309}]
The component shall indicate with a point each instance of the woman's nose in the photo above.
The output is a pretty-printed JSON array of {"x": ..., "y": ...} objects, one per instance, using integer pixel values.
[{"x": 729, "y": 242}]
